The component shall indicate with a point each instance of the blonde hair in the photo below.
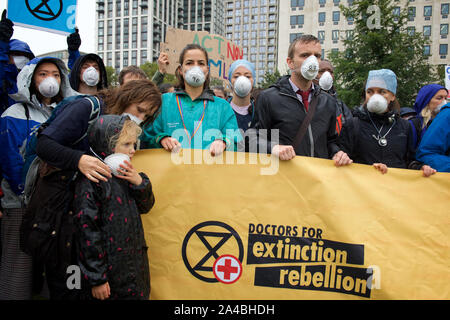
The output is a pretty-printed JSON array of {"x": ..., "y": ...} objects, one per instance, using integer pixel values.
[
  {"x": 426, "y": 115},
  {"x": 130, "y": 130}
]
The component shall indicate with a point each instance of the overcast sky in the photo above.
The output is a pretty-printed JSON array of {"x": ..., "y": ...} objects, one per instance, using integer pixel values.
[{"x": 42, "y": 42}]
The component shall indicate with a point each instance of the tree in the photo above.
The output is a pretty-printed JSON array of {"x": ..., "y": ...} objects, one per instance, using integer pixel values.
[
  {"x": 216, "y": 82},
  {"x": 269, "y": 79},
  {"x": 150, "y": 69},
  {"x": 112, "y": 76},
  {"x": 381, "y": 40}
]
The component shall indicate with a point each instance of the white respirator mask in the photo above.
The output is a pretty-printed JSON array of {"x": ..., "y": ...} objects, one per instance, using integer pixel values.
[
  {"x": 49, "y": 87},
  {"x": 377, "y": 104},
  {"x": 134, "y": 118},
  {"x": 20, "y": 61},
  {"x": 91, "y": 77},
  {"x": 310, "y": 68},
  {"x": 326, "y": 81},
  {"x": 438, "y": 108},
  {"x": 114, "y": 161},
  {"x": 195, "y": 77},
  {"x": 242, "y": 86}
]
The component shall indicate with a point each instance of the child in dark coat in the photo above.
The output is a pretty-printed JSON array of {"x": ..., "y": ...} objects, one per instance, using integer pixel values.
[{"x": 113, "y": 253}]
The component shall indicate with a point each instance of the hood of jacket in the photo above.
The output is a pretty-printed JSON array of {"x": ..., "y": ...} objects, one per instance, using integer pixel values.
[
  {"x": 20, "y": 47},
  {"x": 25, "y": 78},
  {"x": 102, "y": 132},
  {"x": 75, "y": 73}
]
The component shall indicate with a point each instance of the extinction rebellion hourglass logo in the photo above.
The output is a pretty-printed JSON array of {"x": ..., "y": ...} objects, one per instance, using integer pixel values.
[
  {"x": 213, "y": 251},
  {"x": 279, "y": 256},
  {"x": 45, "y": 9}
]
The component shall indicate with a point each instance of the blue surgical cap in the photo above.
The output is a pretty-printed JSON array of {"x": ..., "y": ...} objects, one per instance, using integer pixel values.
[
  {"x": 383, "y": 78},
  {"x": 242, "y": 63}
]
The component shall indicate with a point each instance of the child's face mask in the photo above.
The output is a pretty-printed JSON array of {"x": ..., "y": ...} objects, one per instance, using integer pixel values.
[{"x": 115, "y": 160}]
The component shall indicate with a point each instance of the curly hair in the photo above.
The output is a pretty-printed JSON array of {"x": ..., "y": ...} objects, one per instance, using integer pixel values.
[{"x": 130, "y": 130}]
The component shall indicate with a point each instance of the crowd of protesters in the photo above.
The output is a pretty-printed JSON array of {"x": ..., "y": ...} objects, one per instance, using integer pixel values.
[{"x": 86, "y": 200}]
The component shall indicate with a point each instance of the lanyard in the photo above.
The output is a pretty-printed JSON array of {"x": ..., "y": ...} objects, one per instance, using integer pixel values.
[{"x": 200, "y": 120}]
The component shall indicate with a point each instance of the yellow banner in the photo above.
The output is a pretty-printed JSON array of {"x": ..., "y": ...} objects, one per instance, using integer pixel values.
[{"x": 309, "y": 230}]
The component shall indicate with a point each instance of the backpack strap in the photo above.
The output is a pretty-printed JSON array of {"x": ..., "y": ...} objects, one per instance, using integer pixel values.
[
  {"x": 415, "y": 130},
  {"x": 95, "y": 113},
  {"x": 306, "y": 122}
]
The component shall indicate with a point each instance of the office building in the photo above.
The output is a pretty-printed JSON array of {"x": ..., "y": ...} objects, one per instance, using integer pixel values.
[
  {"x": 205, "y": 15},
  {"x": 324, "y": 19},
  {"x": 253, "y": 25},
  {"x": 129, "y": 31}
]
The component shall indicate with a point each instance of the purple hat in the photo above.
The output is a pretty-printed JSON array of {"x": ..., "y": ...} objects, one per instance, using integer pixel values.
[{"x": 426, "y": 93}]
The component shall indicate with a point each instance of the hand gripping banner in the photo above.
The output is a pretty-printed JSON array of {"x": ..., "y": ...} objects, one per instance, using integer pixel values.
[{"x": 307, "y": 231}]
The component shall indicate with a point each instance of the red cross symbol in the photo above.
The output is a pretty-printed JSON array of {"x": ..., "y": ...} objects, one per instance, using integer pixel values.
[{"x": 227, "y": 269}]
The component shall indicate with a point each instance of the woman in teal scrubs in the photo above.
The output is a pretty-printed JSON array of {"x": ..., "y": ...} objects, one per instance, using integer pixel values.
[{"x": 192, "y": 117}]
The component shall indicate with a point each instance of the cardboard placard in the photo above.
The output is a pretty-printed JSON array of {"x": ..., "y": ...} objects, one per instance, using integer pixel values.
[{"x": 221, "y": 51}]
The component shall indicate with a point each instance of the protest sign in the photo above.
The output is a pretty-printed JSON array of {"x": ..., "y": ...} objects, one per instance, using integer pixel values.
[
  {"x": 221, "y": 52},
  {"x": 310, "y": 231},
  {"x": 54, "y": 16},
  {"x": 447, "y": 80}
]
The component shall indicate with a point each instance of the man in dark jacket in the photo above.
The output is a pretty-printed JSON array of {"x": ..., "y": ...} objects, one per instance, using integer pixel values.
[
  {"x": 88, "y": 75},
  {"x": 284, "y": 106},
  {"x": 343, "y": 113}
]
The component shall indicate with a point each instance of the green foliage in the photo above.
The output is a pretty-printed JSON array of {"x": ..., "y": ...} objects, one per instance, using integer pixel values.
[
  {"x": 150, "y": 69},
  {"x": 112, "y": 77},
  {"x": 215, "y": 82},
  {"x": 441, "y": 74},
  {"x": 383, "y": 45},
  {"x": 269, "y": 79}
]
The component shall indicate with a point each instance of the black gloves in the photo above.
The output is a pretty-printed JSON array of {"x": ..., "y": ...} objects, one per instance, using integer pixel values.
[
  {"x": 74, "y": 41},
  {"x": 6, "y": 28}
]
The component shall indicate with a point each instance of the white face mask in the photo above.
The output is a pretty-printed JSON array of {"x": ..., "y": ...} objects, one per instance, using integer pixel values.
[
  {"x": 114, "y": 161},
  {"x": 20, "y": 61},
  {"x": 326, "y": 81},
  {"x": 195, "y": 77},
  {"x": 438, "y": 108},
  {"x": 49, "y": 87},
  {"x": 134, "y": 118},
  {"x": 310, "y": 68},
  {"x": 377, "y": 104},
  {"x": 91, "y": 77},
  {"x": 242, "y": 86}
]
